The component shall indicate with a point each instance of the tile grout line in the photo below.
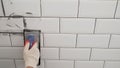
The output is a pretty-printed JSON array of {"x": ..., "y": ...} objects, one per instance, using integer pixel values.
[
  {"x": 104, "y": 64},
  {"x": 59, "y": 54},
  {"x": 94, "y": 25},
  {"x": 45, "y": 63},
  {"x": 115, "y": 9},
  {"x": 109, "y": 41},
  {"x": 3, "y": 8},
  {"x": 90, "y": 54},
  {"x": 78, "y": 8},
  {"x": 74, "y": 64},
  {"x": 66, "y": 33},
  {"x": 58, "y": 17},
  {"x": 15, "y": 63},
  {"x": 41, "y": 7},
  {"x": 59, "y": 25},
  {"x": 76, "y": 41},
  {"x": 43, "y": 39},
  {"x": 10, "y": 40}
]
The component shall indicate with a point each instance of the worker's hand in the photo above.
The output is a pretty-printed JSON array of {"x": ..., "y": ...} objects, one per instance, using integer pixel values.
[{"x": 31, "y": 56}]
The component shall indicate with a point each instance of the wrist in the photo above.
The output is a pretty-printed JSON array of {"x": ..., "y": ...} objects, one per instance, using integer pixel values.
[{"x": 29, "y": 67}]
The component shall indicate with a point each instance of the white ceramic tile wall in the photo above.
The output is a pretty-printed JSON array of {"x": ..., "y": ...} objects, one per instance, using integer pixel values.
[
  {"x": 60, "y": 8},
  {"x": 17, "y": 39},
  {"x": 11, "y": 52},
  {"x": 105, "y": 54},
  {"x": 108, "y": 26},
  {"x": 89, "y": 64},
  {"x": 59, "y": 64},
  {"x": 7, "y": 63},
  {"x": 22, "y": 7},
  {"x": 115, "y": 41},
  {"x": 46, "y": 25},
  {"x": 77, "y": 25},
  {"x": 50, "y": 53},
  {"x": 75, "y": 33},
  {"x": 12, "y": 24},
  {"x": 1, "y": 10},
  {"x": 74, "y": 53},
  {"x": 112, "y": 64},
  {"x": 59, "y": 40},
  {"x": 5, "y": 39},
  {"x": 97, "y": 8},
  {"x": 97, "y": 41}
]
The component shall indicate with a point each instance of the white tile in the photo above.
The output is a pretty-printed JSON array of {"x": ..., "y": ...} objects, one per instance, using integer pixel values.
[
  {"x": 112, "y": 64},
  {"x": 115, "y": 41},
  {"x": 118, "y": 10},
  {"x": 89, "y": 64},
  {"x": 107, "y": 26},
  {"x": 60, "y": 8},
  {"x": 11, "y": 52},
  {"x": 1, "y": 10},
  {"x": 105, "y": 54},
  {"x": 17, "y": 39},
  {"x": 77, "y": 25},
  {"x": 97, "y": 8},
  {"x": 59, "y": 40},
  {"x": 7, "y": 63},
  {"x": 74, "y": 53},
  {"x": 22, "y": 7},
  {"x": 5, "y": 40},
  {"x": 97, "y": 41},
  {"x": 11, "y": 25},
  {"x": 21, "y": 64},
  {"x": 46, "y": 25},
  {"x": 49, "y": 53},
  {"x": 59, "y": 64}
]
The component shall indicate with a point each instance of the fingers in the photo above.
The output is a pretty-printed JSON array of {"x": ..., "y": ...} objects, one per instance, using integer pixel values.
[
  {"x": 26, "y": 46},
  {"x": 35, "y": 45}
]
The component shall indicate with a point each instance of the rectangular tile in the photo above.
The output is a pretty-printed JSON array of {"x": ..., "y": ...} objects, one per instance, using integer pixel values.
[
  {"x": 46, "y": 25},
  {"x": 11, "y": 25},
  {"x": 59, "y": 40},
  {"x": 59, "y": 8},
  {"x": 112, "y": 64},
  {"x": 17, "y": 39},
  {"x": 89, "y": 64},
  {"x": 77, "y": 25},
  {"x": 50, "y": 53},
  {"x": 107, "y": 26},
  {"x": 105, "y": 54},
  {"x": 74, "y": 53},
  {"x": 5, "y": 39},
  {"x": 22, "y": 7},
  {"x": 1, "y": 10},
  {"x": 59, "y": 64},
  {"x": 11, "y": 52},
  {"x": 115, "y": 41},
  {"x": 21, "y": 64},
  {"x": 6, "y": 63},
  {"x": 97, "y": 8},
  {"x": 93, "y": 40}
]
